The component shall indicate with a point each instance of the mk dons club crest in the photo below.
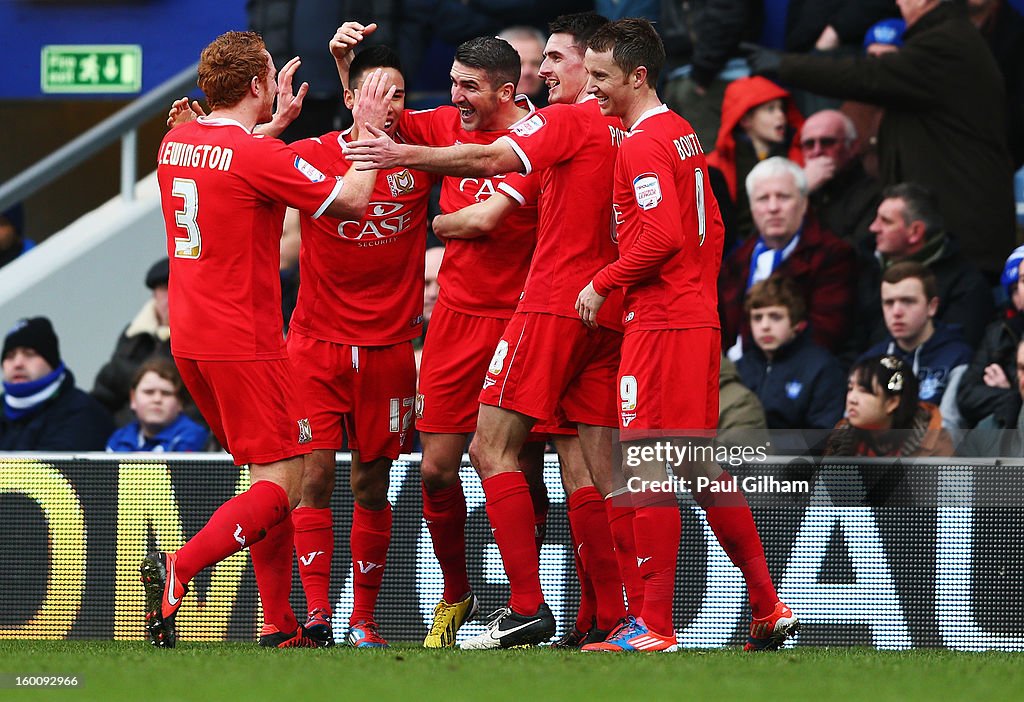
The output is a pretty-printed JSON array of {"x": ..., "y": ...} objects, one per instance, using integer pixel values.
[
  {"x": 305, "y": 432},
  {"x": 401, "y": 182}
]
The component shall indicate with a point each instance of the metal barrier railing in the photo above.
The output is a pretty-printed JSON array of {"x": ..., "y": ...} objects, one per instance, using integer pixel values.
[{"x": 122, "y": 125}]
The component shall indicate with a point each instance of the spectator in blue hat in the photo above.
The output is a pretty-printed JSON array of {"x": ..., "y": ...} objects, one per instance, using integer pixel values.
[
  {"x": 42, "y": 408},
  {"x": 885, "y": 36},
  {"x": 989, "y": 385},
  {"x": 12, "y": 240}
]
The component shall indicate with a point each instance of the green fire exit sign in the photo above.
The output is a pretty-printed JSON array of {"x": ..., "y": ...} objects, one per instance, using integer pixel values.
[{"x": 111, "y": 68}]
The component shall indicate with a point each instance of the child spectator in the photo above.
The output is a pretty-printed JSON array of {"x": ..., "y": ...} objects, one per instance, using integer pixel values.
[
  {"x": 884, "y": 416},
  {"x": 759, "y": 121},
  {"x": 157, "y": 395},
  {"x": 799, "y": 383}
]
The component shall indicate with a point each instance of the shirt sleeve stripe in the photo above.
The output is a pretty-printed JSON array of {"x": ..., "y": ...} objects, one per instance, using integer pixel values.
[
  {"x": 512, "y": 193},
  {"x": 527, "y": 166},
  {"x": 330, "y": 198}
]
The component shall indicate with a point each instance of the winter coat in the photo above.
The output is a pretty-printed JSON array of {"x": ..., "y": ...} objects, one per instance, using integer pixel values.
[
  {"x": 706, "y": 33},
  {"x": 140, "y": 341},
  {"x": 965, "y": 297},
  {"x": 807, "y": 19},
  {"x": 825, "y": 269},
  {"x": 933, "y": 361},
  {"x": 944, "y": 122},
  {"x": 801, "y": 387},
  {"x": 925, "y": 437},
  {"x": 741, "y": 420},
  {"x": 994, "y": 437},
  {"x": 741, "y": 97},
  {"x": 977, "y": 400},
  {"x": 71, "y": 420},
  {"x": 847, "y": 204},
  {"x": 181, "y": 435}
]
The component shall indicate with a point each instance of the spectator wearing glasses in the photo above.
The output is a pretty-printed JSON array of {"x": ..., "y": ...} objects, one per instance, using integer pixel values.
[{"x": 843, "y": 196}]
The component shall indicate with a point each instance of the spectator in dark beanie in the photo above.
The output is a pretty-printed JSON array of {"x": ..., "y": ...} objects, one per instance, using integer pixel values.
[{"x": 42, "y": 408}]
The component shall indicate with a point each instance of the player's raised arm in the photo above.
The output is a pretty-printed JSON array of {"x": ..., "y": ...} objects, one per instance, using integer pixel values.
[
  {"x": 289, "y": 104},
  {"x": 343, "y": 43},
  {"x": 480, "y": 160},
  {"x": 371, "y": 108},
  {"x": 183, "y": 111}
]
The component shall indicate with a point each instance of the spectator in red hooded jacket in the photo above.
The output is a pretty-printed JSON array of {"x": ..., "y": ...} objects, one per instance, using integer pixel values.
[{"x": 759, "y": 120}]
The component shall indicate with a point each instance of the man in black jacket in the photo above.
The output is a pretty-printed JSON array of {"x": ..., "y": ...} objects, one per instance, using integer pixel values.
[
  {"x": 944, "y": 124},
  {"x": 908, "y": 227},
  {"x": 43, "y": 410}
]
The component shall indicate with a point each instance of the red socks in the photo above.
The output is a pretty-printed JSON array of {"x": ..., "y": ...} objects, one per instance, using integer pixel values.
[
  {"x": 314, "y": 547},
  {"x": 272, "y": 563},
  {"x": 589, "y": 524},
  {"x": 620, "y": 523},
  {"x": 241, "y": 521},
  {"x": 729, "y": 516},
  {"x": 510, "y": 511},
  {"x": 587, "y": 611},
  {"x": 445, "y": 514},
  {"x": 371, "y": 536},
  {"x": 540, "y": 523},
  {"x": 656, "y": 527}
]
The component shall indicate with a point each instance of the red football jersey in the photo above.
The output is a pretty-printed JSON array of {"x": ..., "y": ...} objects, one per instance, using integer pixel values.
[
  {"x": 223, "y": 193},
  {"x": 362, "y": 282},
  {"x": 575, "y": 147},
  {"x": 669, "y": 228},
  {"x": 482, "y": 276}
]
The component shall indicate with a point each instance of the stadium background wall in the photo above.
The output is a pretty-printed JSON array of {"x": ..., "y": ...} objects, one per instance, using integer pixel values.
[{"x": 941, "y": 564}]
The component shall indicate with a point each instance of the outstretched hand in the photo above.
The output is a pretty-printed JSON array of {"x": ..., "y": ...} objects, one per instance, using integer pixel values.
[
  {"x": 345, "y": 39},
  {"x": 289, "y": 104},
  {"x": 182, "y": 111},
  {"x": 379, "y": 152}
]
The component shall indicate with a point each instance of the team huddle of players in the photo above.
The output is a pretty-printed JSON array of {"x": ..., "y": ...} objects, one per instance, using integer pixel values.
[{"x": 578, "y": 289}]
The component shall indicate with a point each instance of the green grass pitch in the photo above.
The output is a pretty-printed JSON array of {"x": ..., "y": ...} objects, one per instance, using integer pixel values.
[{"x": 243, "y": 672}]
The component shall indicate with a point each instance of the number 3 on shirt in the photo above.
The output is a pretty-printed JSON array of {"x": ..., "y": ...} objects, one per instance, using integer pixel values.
[{"x": 192, "y": 245}]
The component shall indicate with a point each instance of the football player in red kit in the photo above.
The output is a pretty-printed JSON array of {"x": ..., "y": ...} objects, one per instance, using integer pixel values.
[
  {"x": 223, "y": 195},
  {"x": 546, "y": 361},
  {"x": 670, "y": 236}
]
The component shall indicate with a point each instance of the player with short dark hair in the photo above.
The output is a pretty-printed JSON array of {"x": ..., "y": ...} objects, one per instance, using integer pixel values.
[
  {"x": 481, "y": 275},
  {"x": 350, "y": 340},
  {"x": 224, "y": 193},
  {"x": 670, "y": 236},
  {"x": 546, "y": 360}
]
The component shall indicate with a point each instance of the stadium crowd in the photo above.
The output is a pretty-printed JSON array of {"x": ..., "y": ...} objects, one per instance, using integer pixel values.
[{"x": 825, "y": 249}]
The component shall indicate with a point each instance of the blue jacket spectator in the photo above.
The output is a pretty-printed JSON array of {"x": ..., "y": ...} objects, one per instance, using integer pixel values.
[
  {"x": 801, "y": 387},
  {"x": 800, "y": 384},
  {"x": 157, "y": 396},
  {"x": 933, "y": 361},
  {"x": 182, "y": 435},
  {"x": 42, "y": 408}
]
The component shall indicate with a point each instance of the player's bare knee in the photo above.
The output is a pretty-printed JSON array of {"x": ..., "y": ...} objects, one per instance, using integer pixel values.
[
  {"x": 482, "y": 458},
  {"x": 318, "y": 479},
  {"x": 438, "y": 476},
  {"x": 370, "y": 482}
]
